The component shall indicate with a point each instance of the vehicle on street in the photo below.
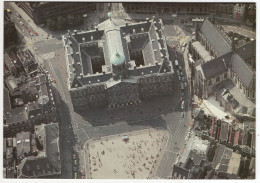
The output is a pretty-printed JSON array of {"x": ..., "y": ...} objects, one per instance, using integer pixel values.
[
  {"x": 74, "y": 156},
  {"x": 178, "y": 72},
  {"x": 182, "y": 114},
  {"x": 75, "y": 175},
  {"x": 21, "y": 22},
  {"x": 182, "y": 78},
  {"x": 180, "y": 68},
  {"x": 176, "y": 62},
  {"x": 182, "y": 104},
  {"x": 28, "y": 30},
  {"x": 75, "y": 162},
  {"x": 26, "y": 27},
  {"x": 181, "y": 73},
  {"x": 185, "y": 84},
  {"x": 35, "y": 33},
  {"x": 184, "y": 44},
  {"x": 179, "y": 78},
  {"x": 53, "y": 80},
  {"x": 82, "y": 174},
  {"x": 8, "y": 10},
  {"x": 182, "y": 94},
  {"x": 182, "y": 86},
  {"x": 31, "y": 34}
]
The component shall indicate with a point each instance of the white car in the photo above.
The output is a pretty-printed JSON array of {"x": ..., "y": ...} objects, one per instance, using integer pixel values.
[
  {"x": 21, "y": 22},
  {"x": 31, "y": 33}
]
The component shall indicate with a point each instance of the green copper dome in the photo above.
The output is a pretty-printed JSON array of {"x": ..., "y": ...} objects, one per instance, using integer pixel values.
[{"x": 117, "y": 59}]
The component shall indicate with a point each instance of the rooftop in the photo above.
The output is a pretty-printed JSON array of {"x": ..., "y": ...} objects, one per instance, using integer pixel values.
[
  {"x": 202, "y": 51},
  {"x": 91, "y": 54},
  {"x": 47, "y": 163},
  {"x": 218, "y": 42}
]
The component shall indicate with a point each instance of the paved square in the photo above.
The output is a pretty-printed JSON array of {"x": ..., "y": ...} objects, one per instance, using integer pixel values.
[{"x": 113, "y": 158}]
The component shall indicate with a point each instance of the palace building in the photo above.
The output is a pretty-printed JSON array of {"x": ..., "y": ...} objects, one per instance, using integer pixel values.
[{"x": 117, "y": 64}]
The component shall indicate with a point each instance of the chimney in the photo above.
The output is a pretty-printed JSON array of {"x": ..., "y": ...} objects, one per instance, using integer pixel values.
[
  {"x": 126, "y": 24},
  {"x": 147, "y": 19},
  {"x": 92, "y": 38},
  {"x": 233, "y": 42},
  {"x": 96, "y": 28},
  {"x": 83, "y": 40},
  {"x": 75, "y": 31},
  {"x": 142, "y": 30}
]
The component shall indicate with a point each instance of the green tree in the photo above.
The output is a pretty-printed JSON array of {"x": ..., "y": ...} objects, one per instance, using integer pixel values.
[
  {"x": 62, "y": 23},
  {"x": 51, "y": 24}
]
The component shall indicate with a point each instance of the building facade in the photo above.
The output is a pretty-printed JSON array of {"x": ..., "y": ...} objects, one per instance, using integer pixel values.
[
  {"x": 239, "y": 11},
  {"x": 117, "y": 64},
  {"x": 217, "y": 59},
  {"x": 179, "y": 8},
  {"x": 41, "y": 11}
]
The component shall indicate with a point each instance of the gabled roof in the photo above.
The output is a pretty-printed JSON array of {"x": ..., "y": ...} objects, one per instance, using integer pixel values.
[
  {"x": 216, "y": 66},
  {"x": 240, "y": 68},
  {"x": 247, "y": 50},
  {"x": 215, "y": 38}
]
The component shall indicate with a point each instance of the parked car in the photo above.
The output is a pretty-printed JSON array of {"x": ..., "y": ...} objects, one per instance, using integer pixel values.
[
  {"x": 182, "y": 104},
  {"x": 179, "y": 78},
  {"x": 185, "y": 84},
  {"x": 182, "y": 114},
  {"x": 29, "y": 30},
  {"x": 35, "y": 33},
  {"x": 75, "y": 162},
  {"x": 26, "y": 27},
  {"x": 178, "y": 72},
  {"x": 53, "y": 80},
  {"x": 182, "y": 78},
  {"x": 21, "y": 22}
]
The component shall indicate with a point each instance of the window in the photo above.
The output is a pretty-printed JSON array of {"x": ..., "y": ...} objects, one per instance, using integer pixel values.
[
  {"x": 218, "y": 79},
  {"x": 210, "y": 82},
  {"x": 225, "y": 75}
]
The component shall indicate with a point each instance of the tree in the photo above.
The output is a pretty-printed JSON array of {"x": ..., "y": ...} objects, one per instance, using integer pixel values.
[
  {"x": 51, "y": 24},
  {"x": 62, "y": 23}
]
